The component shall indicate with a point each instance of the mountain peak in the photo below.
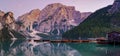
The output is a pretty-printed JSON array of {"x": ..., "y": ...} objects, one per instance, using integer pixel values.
[
  {"x": 57, "y": 8},
  {"x": 56, "y": 4},
  {"x": 35, "y": 11},
  {"x": 32, "y": 15},
  {"x": 59, "y": 5},
  {"x": 29, "y": 18}
]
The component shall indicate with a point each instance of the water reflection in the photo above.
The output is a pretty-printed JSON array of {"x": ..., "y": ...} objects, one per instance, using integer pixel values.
[
  {"x": 7, "y": 47},
  {"x": 31, "y": 48},
  {"x": 110, "y": 50},
  {"x": 93, "y": 49}
]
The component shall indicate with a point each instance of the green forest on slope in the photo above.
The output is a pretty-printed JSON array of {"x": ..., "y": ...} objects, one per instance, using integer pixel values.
[{"x": 97, "y": 24}]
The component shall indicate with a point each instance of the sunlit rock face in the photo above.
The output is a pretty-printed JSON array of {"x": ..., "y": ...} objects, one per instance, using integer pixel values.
[
  {"x": 7, "y": 27},
  {"x": 27, "y": 20},
  {"x": 115, "y": 7},
  {"x": 58, "y": 18},
  {"x": 1, "y": 15},
  {"x": 8, "y": 20}
]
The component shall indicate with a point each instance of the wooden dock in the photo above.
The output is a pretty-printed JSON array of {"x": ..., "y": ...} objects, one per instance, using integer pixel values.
[
  {"x": 64, "y": 41},
  {"x": 75, "y": 41}
]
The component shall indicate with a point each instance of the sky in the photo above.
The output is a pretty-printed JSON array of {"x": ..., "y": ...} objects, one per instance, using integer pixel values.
[{"x": 20, "y": 7}]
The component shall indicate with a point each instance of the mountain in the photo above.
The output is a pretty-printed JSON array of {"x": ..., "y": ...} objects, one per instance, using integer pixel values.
[
  {"x": 98, "y": 24},
  {"x": 7, "y": 26},
  {"x": 28, "y": 19},
  {"x": 57, "y": 18}
]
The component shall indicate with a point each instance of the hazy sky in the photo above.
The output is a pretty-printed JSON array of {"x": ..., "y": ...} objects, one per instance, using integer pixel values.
[{"x": 20, "y": 7}]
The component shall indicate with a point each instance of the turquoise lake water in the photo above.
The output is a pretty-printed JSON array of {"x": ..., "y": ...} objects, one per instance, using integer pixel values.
[{"x": 31, "y": 48}]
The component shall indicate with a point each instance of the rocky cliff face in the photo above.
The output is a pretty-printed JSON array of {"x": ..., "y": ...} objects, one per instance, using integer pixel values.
[
  {"x": 115, "y": 7},
  {"x": 58, "y": 18},
  {"x": 8, "y": 20},
  {"x": 7, "y": 27},
  {"x": 54, "y": 18},
  {"x": 27, "y": 20},
  {"x": 1, "y": 15}
]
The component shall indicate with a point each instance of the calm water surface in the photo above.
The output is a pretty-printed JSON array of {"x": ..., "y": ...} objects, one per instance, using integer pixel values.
[{"x": 31, "y": 48}]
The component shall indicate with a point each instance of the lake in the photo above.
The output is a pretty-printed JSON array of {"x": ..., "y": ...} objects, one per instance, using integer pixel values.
[{"x": 31, "y": 48}]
